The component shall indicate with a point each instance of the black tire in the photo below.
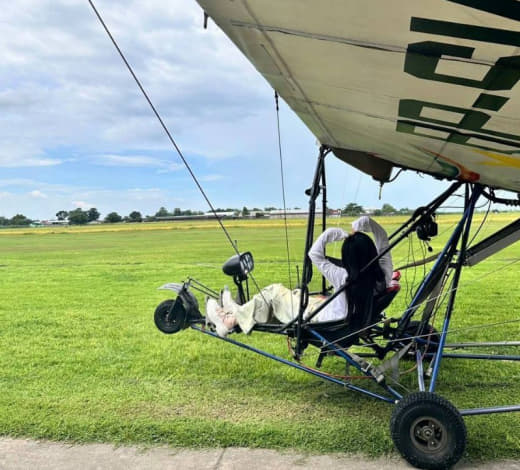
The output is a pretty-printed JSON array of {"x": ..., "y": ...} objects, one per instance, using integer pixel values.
[
  {"x": 177, "y": 319},
  {"x": 428, "y": 431}
]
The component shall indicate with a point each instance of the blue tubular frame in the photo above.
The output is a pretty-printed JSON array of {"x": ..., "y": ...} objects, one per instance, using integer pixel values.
[
  {"x": 420, "y": 370},
  {"x": 306, "y": 369},
  {"x": 490, "y": 410},
  {"x": 465, "y": 221},
  {"x": 488, "y": 357},
  {"x": 340, "y": 352}
]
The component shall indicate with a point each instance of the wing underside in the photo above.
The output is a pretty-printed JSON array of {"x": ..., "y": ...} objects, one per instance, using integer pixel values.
[{"x": 427, "y": 85}]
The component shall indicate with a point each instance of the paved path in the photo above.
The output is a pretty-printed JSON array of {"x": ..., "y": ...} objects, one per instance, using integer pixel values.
[{"x": 20, "y": 454}]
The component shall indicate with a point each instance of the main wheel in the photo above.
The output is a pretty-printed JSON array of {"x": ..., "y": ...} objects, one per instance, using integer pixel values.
[
  {"x": 428, "y": 431},
  {"x": 170, "y": 322}
]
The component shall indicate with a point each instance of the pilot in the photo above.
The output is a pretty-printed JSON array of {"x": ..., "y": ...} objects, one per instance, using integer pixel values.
[{"x": 280, "y": 303}]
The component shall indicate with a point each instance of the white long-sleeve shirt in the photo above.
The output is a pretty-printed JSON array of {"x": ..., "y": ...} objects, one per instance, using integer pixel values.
[{"x": 337, "y": 275}]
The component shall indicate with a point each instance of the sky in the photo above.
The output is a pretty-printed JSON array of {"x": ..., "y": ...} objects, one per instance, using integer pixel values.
[{"x": 76, "y": 131}]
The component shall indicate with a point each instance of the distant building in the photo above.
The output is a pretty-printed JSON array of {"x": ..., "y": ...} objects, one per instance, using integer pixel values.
[
  {"x": 370, "y": 210},
  {"x": 184, "y": 217},
  {"x": 54, "y": 222},
  {"x": 223, "y": 214},
  {"x": 257, "y": 214},
  {"x": 207, "y": 216},
  {"x": 290, "y": 214}
]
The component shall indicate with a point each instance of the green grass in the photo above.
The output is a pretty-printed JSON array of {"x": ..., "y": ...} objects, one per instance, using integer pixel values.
[{"x": 81, "y": 359}]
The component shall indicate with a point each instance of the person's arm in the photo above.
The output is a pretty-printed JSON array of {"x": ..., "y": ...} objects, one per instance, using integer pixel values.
[
  {"x": 334, "y": 274},
  {"x": 366, "y": 224}
]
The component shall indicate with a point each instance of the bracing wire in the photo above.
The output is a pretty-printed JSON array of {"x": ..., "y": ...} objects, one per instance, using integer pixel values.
[
  {"x": 339, "y": 218},
  {"x": 406, "y": 275},
  {"x": 358, "y": 186},
  {"x": 169, "y": 135},
  {"x": 481, "y": 224},
  {"x": 423, "y": 253},
  {"x": 163, "y": 125},
  {"x": 412, "y": 286},
  {"x": 282, "y": 179},
  {"x": 356, "y": 192}
]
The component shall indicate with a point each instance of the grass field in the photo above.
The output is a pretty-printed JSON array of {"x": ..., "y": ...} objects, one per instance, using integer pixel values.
[{"x": 81, "y": 359}]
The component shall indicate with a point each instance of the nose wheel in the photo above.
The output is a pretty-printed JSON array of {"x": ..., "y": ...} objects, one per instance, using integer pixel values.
[
  {"x": 170, "y": 316},
  {"x": 428, "y": 431}
]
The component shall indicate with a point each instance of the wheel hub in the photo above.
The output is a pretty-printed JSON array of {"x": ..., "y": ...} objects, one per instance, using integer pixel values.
[{"x": 428, "y": 434}]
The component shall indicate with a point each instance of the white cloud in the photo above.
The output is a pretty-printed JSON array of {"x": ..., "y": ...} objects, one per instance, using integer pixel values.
[
  {"x": 82, "y": 204},
  {"x": 17, "y": 182},
  {"x": 137, "y": 161},
  {"x": 63, "y": 84},
  {"x": 208, "y": 178},
  {"x": 46, "y": 187},
  {"x": 38, "y": 194},
  {"x": 14, "y": 154},
  {"x": 66, "y": 197},
  {"x": 125, "y": 160},
  {"x": 25, "y": 162}
]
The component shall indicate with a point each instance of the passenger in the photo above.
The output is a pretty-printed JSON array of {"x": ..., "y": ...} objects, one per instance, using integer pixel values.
[{"x": 280, "y": 303}]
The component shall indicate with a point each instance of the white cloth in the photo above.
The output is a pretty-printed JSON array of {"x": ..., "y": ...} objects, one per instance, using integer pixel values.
[
  {"x": 337, "y": 275},
  {"x": 275, "y": 301}
]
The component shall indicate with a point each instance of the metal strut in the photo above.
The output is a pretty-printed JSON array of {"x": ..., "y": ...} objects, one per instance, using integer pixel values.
[{"x": 313, "y": 193}]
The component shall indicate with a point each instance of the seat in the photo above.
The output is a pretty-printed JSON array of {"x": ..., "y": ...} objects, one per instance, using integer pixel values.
[{"x": 342, "y": 332}]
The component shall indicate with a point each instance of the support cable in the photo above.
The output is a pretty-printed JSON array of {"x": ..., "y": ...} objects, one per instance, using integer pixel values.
[
  {"x": 157, "y": 115},
  {"x": 170, "y": 137},
  {"x": 356, "y": 192},
  {"x": 481, "y": 224},
  {"x": 283, "y": 192}
]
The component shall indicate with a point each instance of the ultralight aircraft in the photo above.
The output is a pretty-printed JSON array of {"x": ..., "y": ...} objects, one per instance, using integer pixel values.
[{"x": 428, "y": 86}]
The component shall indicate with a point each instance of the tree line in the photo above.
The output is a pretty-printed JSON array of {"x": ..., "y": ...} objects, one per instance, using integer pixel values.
[
  {"x": 353, "y": 209},
  {"x": 80, "y": 216},
  {"x": 17, "y": 220}
]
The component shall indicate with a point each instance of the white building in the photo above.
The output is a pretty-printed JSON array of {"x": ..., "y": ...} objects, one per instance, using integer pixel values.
[{"x": 291, "y": 214}]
